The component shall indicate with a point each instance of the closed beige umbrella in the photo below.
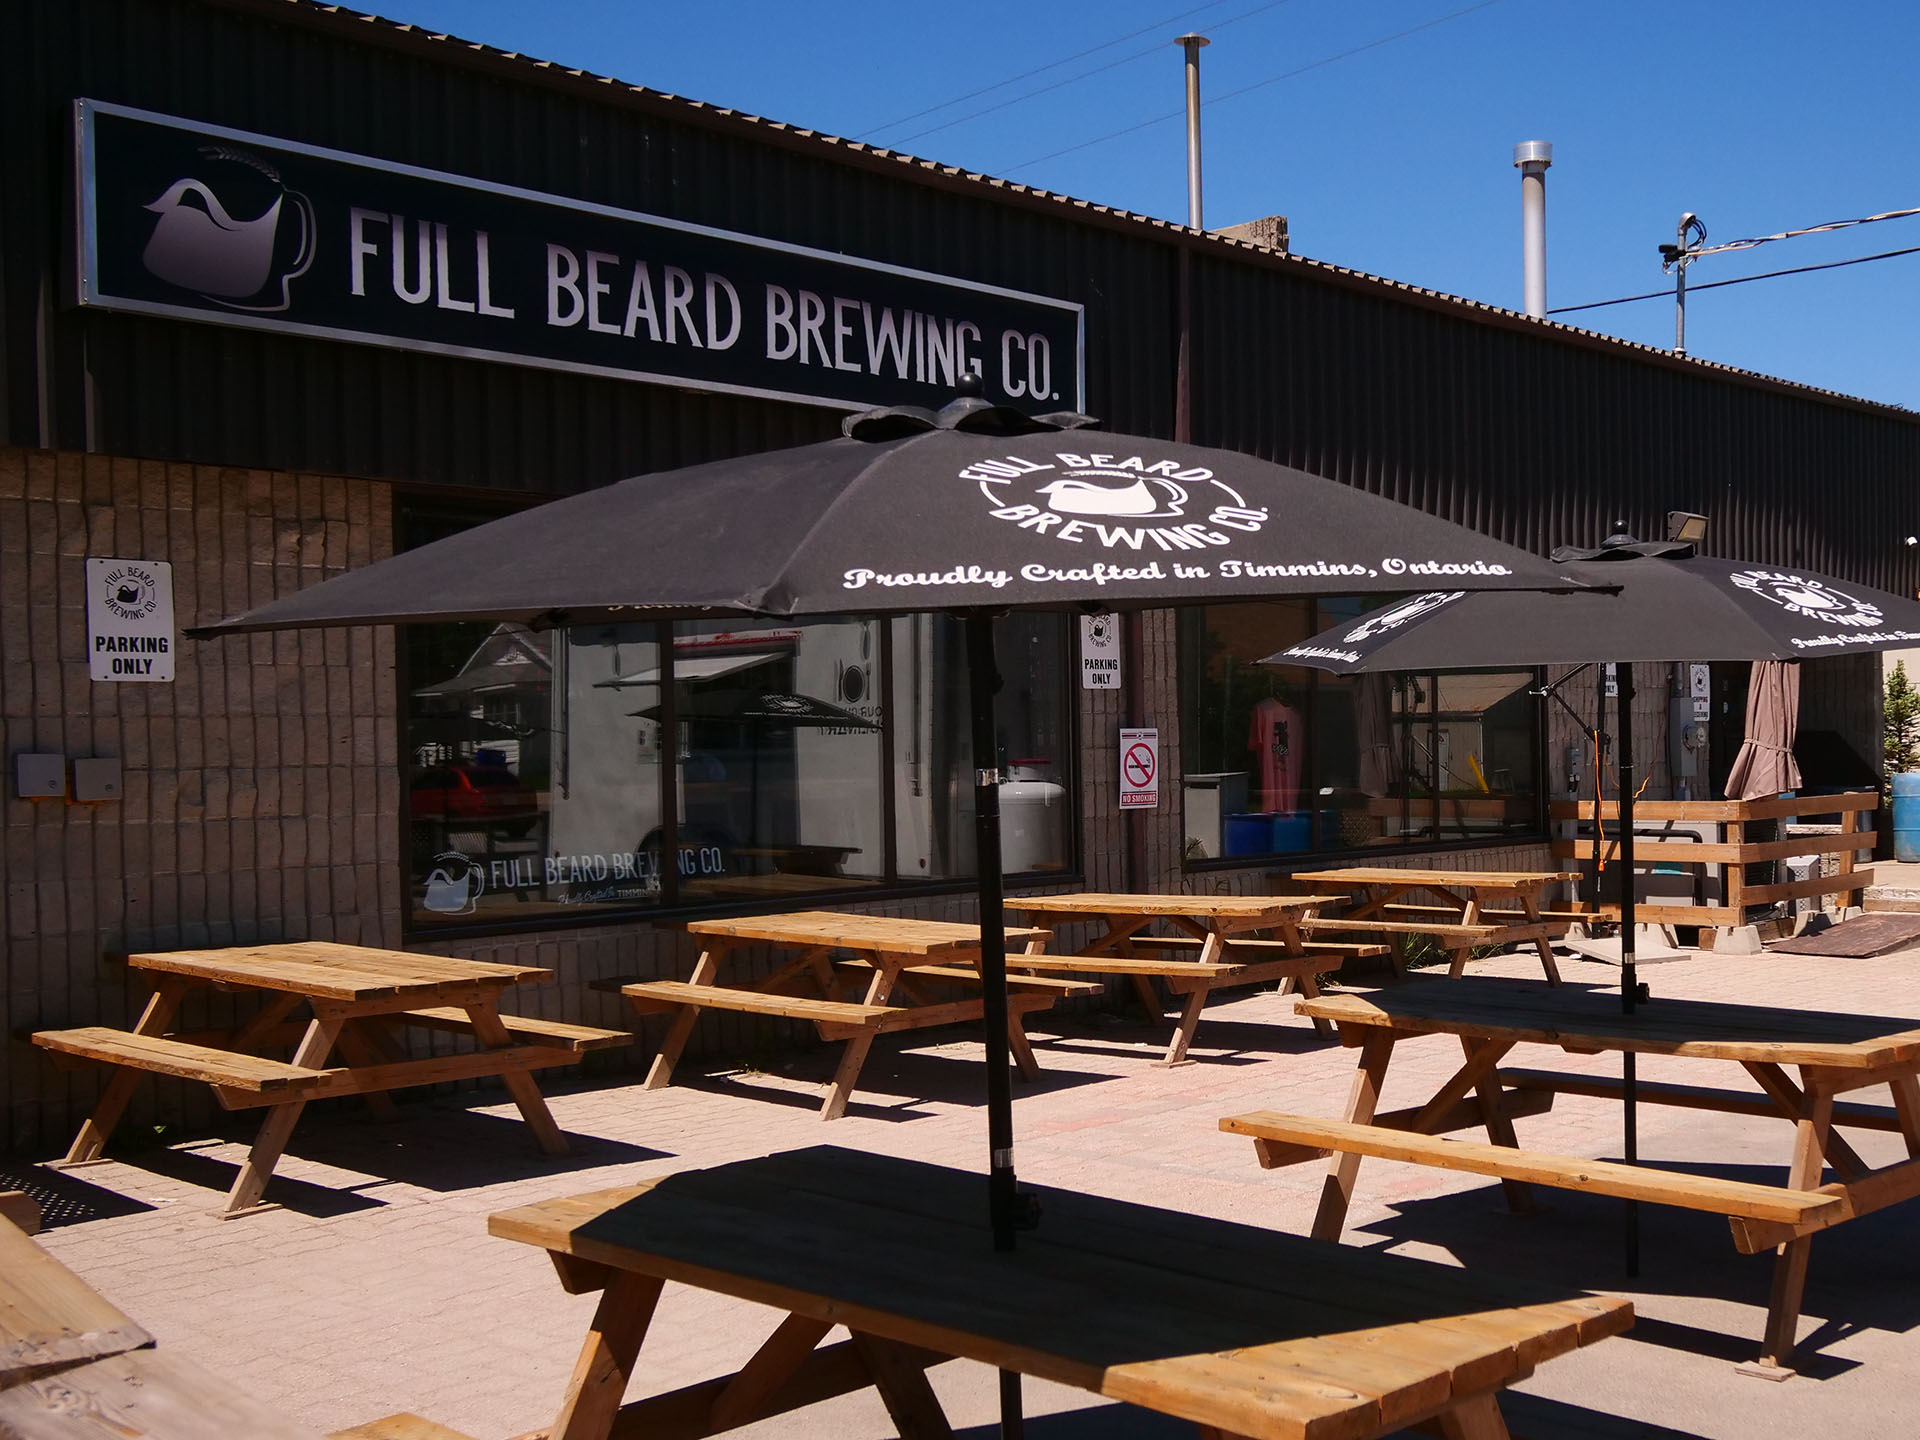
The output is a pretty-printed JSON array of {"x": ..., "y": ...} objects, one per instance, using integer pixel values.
[{"x": 1765, "y": 766}]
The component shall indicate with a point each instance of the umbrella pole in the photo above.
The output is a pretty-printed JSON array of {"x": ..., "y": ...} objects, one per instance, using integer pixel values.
[
  {"x": 983, "y": 679},
  {"x": 1629, "y": 984}
]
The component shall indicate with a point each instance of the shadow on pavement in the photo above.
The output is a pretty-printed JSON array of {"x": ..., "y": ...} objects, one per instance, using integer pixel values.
[
  {"x": 65, "y": 1198},
  {"x": 435, "y": 1145},
  {"x": 1863, "y": 1275}
]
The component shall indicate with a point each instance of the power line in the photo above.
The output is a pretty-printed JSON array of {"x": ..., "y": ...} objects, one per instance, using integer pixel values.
[
  {"x": 1256, "y": 85},
  {"x": 1829, "y": 226},
  {"x": 1050, "y": 65},
  {"x": 1083, "y": 75},
  {"x": 1741, "y": 280}
]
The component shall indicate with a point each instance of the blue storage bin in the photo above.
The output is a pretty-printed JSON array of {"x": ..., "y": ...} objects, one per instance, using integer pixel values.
[
  {"x": 1292, "y": 831},
  {"x": 1248, "y": 834}
]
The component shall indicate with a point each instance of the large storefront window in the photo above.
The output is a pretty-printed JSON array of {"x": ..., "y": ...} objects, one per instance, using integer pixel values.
[
  {"x": 1286, "y": 761},
  {"x": 809, "y": 761}
]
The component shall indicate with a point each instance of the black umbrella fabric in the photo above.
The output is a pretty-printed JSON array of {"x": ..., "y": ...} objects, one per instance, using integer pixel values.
[
  {"x": 940, "y": 519},
  {"x": 1668, "y": 604},
  {"x": 976, "y": 508}
]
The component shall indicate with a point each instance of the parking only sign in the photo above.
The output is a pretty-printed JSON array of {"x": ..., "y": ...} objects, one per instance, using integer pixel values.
[
  {"x": 1139, "y": 769},
  {"x": 130, "y": 620}
]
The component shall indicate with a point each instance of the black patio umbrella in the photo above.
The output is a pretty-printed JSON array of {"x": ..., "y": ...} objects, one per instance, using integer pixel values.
[
  {"x": 977, "y": 509},
  {"x": 1668, "y": 603}
]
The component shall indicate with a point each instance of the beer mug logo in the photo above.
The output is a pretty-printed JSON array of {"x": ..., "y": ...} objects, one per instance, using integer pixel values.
[{"x": 233, "y": 232}]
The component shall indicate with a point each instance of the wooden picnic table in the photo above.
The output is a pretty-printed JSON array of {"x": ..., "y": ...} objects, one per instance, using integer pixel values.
[
  {"x": 886, "y": 960},
  {"x": 1460, "y": 908},
  {"x": 360, "y": 1001},
  {"x": 1245, "y": 1331},
  {"x": 1214, "y": 947},
  {"x": 1835, "y": 1053}
]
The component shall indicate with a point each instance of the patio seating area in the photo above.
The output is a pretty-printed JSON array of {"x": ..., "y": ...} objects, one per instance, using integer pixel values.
[{"x": 380, "y": 1261}]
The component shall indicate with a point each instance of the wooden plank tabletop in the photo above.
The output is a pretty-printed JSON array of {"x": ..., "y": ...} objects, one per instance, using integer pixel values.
[
  {"x": 1532, "y": 1011},
  {"x": 1389, "y": 875},
  {"x": 49, "y": 1316},
  {"x": 1237, "y": 907},
  {"x": 876, "y": 934},
  {"x": 331, "y": 971},
  {"x": 141, "y": 1395},
  {"x": 1252, "y": 1331}
]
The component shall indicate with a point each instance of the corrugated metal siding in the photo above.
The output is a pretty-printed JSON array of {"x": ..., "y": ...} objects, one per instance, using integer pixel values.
[{"x": 1528, "y": 434}]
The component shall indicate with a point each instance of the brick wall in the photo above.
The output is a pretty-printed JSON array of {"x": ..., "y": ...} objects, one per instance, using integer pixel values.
[{"x": 259, "y": 787}]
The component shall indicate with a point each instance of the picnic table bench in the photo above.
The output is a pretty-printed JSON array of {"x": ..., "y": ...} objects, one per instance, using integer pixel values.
[
  {"x": 1459, "y": 908},
  {"x": 360, "y": 1000},
  {"x": 1835, "y": 1054},
  {"x": 891, "y": 960},
  {"x": 1213, "y": 947},
  {"x": 1244, "y": 1331}
]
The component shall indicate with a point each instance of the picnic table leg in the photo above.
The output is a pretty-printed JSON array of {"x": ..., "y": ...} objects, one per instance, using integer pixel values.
[
  {"x": 359, "y": 1050},
  {"x": 491, "y": 1032},
  {"x": 1475, "y": 1419},
  {"x": 1906, "y": 1109},
  {"x": 1530, "y": 904},
  {"x": 277, "y": 1008},
  {"x": 154, "y": 1019},
  {"x": 1020, "y": 1047},
  {"x": 1305, "y": 983},
  {"x": 1336, "y": 1191},
  {"x": 675, "y": 1040},
  {"x": 1469, "y": 915},
  {"x": 885, "y": 968},
  {"x": 600, "y": 1375},
  {"x": 1499, "y": 1128},
  {"x": 1212, "y": 951},
  {"x": 251, "y": 1183},
  {"x": 903, "y": 1388},
  {"x": 1790, "y": 1266},
  {"x": 772, "y": 1365}
]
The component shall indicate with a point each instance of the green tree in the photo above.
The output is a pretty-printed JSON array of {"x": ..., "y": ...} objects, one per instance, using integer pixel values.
[{"x": 1900, "y": 723}]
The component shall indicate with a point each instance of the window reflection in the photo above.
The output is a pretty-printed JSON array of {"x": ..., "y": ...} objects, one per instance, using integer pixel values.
[
  {"x": 813, "y": 759},
  {"x": 1283, "y": 761}
]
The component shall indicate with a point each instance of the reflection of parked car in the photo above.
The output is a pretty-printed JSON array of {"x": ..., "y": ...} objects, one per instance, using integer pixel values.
[{"x": 466, "y": 791}]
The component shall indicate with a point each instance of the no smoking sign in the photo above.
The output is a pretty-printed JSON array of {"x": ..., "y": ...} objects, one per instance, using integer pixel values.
[{"x": 1139, "y": 769}]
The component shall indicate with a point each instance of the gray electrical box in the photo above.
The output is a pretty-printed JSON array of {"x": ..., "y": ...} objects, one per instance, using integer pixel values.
[
  {"x": 40, "y": 777},
  {"x": 96, "y": 779}
]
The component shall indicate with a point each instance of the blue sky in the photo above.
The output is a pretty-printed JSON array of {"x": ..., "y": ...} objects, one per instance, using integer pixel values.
[{"x": 1759, "y": 116}]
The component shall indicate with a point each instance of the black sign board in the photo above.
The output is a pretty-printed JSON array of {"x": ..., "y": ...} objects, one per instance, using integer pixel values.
[{"x": 203, "y": 223}]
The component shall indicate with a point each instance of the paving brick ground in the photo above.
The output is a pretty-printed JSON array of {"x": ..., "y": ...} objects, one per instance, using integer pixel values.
[{"x": 377, "y": 1289}]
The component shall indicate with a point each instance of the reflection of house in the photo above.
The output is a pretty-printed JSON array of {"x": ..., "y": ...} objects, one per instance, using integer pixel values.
[{"x": 498, "y": 697}]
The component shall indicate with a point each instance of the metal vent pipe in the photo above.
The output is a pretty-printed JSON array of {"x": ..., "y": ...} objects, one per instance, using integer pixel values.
[
  {"x": 1191, "y": 44},
  {"x": 1532, "y": 157}
]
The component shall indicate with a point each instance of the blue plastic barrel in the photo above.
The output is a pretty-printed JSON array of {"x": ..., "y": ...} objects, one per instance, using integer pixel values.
[{"x": 1906, "y": 816}]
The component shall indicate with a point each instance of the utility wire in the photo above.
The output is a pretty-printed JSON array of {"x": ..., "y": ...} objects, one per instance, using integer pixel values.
[
  {"x": 1741, "y": 280},
  {"x": 1256, "y": 85},
  {"x": 1050, "y": 65},
  {"x": 1216, "y": 27},
  {"x": 1810, "y": 230}
]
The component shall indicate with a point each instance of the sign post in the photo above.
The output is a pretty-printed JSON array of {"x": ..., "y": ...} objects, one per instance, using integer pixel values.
[{"x": 1139, "y": 769}]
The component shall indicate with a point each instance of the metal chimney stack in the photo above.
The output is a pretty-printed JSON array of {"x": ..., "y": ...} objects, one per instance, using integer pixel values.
[
  {"x": 1532, "y": 157},
  {"x": 1191, "y": 44}
]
